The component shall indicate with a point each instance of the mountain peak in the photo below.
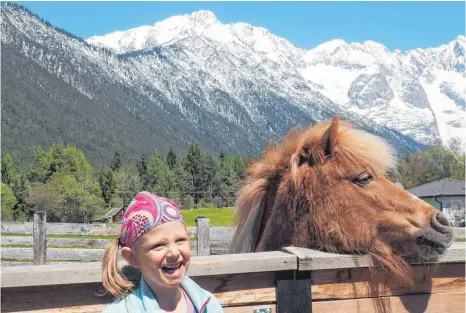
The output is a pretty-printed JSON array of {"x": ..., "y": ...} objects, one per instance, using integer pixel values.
[
  {"x": 372, "y": 46},
  {"x": 331, "y": 46},
  {"x": 204, "y": 17}
]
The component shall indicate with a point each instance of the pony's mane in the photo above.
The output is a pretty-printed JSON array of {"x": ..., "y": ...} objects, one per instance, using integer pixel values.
[{"x": 260, "y": 187}]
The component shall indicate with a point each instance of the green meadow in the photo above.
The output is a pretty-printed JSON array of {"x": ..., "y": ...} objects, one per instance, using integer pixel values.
[{"x": 218, "y": 217}]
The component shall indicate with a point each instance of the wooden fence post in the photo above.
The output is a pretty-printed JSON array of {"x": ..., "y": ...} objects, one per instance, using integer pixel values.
[
  {"x": 294, "y": 293},
  {"x": 39, "y": 240},
  {"x": 203, "y": 239}
]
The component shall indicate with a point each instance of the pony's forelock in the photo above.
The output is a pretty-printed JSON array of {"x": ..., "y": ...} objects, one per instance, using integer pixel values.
[{"x": 368, "y": 148}]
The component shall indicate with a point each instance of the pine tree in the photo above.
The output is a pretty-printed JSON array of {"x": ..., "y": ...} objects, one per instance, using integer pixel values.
[
  {"x": 108, "y": 185},
  {"x": 221, "y": 156},
  {"x": 21, "y": 210},
  {"x": 209, "y": 168},
  {"x": 116, "y": 162},
  {"x": 171, "y": 159},
  {"x": 192, "y": 165},
  {"x": 143, "y": 173},
  {"x": 158, "y": 175},
  {"x": 239, "y": 166}
]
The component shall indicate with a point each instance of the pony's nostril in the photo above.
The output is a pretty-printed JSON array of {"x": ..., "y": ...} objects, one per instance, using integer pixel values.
[
  {"x": 440, "y": 223},
  {"x": 442, "y": 219}
]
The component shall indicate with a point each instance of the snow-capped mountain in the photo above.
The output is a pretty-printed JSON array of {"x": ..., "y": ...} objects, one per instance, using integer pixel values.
[
  {"x": 232, "y": 87},
  {"x": 419, "y": 93}
]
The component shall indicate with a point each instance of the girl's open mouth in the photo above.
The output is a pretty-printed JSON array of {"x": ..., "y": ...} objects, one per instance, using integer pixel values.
[{"x": 171, "y": 269}]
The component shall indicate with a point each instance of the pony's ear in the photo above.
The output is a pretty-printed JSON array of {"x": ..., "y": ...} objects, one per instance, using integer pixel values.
[
  {"x": 329, "y": 139},
  {"x": 318, "y": 153}
]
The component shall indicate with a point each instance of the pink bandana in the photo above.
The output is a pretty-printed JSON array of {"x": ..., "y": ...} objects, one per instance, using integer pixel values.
[{"x": 146, "y": 211}]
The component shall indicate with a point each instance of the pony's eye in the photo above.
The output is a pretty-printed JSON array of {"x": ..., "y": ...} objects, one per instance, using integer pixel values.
[{"x": 364, "y": 179}]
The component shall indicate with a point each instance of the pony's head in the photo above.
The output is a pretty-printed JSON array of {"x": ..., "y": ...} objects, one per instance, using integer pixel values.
[{"x": 325, "y": 188}]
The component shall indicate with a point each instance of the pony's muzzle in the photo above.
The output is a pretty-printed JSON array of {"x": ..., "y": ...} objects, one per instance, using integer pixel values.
[
  {"x": 435, "y": 240},
  {"x": 440, "y": 223}
]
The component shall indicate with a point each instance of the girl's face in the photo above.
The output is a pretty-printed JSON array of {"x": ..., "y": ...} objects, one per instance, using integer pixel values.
[{"x": 162, "y": 254}]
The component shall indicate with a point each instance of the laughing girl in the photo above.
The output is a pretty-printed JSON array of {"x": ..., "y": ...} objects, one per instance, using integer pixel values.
[{"x": 154, "y": 239}]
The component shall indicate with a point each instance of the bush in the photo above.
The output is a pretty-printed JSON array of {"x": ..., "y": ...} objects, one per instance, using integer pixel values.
[
  {"x": 205, "y": 204},
  {"x": 187, "y": 203},
  {"x": 219, "y": 202}
]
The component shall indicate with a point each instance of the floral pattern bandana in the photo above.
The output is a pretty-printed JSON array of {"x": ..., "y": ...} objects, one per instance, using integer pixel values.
[{"x": 145, "y": 212}]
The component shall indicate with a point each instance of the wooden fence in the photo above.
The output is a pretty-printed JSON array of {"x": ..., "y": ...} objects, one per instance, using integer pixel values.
[
  {"x": 204, "y": 239},
  {"x": 294, "y": 280}
]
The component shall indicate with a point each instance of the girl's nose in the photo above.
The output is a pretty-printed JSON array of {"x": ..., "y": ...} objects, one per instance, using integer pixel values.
[{"x": 173, "y": 251}]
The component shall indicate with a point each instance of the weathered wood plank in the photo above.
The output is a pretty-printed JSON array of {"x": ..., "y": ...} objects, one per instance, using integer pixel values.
[
  {"x": 240, "y": 289},
  {"x": 221, "y": 233},
  {"x": 200, "y": 266},
  {"x": 60, "y": 242},
  {"x": 250, "y": 308},
  {"x": 317, "y": 260},
  {"x": 78, "y": 254},
  {"x": 52, "y": 297},
  {"x": 39, "y": 241},
  {"x": 54, "y": 254},
  {"x": 362, "y": 283},
  {"x": 203, "y": 236},
  {"x": 98, "y": 308},
  {"x": 63, "y": 228},
  {"x": 96, "y": 243},
  {"x": 12, "y": 263},
  {"x": 243, "y": 263},
  {"x": 436, "y": 303}
]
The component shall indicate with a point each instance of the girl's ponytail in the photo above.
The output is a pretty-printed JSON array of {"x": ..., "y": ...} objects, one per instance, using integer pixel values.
[{"x": 112, "y": 278}]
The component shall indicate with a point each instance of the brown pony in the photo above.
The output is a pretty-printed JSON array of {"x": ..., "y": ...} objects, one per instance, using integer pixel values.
[{"x": 324, "y": 188}]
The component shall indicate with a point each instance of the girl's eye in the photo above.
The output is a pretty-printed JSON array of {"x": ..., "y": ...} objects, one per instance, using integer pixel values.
[
  {"x": 364, "y": 179},
  {"x": 157, "y": 247},
  {"x": 181, "y": 240}
]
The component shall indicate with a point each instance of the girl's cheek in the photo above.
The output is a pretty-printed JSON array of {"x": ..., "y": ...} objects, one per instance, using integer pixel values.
[{"x": 157, "y": 256}]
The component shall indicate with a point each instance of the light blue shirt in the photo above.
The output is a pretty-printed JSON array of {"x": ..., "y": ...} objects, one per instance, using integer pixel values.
[{"x": 141, "y": 300}]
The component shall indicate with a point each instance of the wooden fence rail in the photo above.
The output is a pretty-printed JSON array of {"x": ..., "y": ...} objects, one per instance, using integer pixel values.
[
  {"x": 204, "y": 240},
  {"x": 294, "y": 280}
]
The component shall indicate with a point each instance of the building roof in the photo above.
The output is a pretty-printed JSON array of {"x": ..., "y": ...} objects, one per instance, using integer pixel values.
[
  {"x": 440, "y": 187},
  {"x": 112, "y": 212}
]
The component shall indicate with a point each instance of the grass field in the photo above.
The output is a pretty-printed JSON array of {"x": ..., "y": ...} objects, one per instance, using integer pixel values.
[{"x": 218, "y": 217}]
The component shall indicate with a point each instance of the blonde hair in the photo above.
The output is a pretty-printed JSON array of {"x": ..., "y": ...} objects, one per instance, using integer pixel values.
[{"x": 112, "y": 278}]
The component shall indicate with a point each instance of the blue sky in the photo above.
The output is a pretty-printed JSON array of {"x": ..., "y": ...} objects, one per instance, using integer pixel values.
[{"x": 397, "y": 25}]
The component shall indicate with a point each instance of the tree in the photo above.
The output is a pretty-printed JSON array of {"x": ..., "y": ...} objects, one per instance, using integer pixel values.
[
  {"x": 22, "y": 210},
  {"x": 129, "y": 184},
  {"x": 8, "y": 170},
  {"x": 228, "y": 182},
  {"x": 80, "y": 202},
  {"x": 426, "y": 166},
  {"x": 179, "y": 182},
  {"x": 239, "y": 166},
  {"x": 207, "y": 183},
  {"x": 44, "y": 197},
  {"x": 62, "y": 183},
  {"x": 62, "y": 159},
  {"x": 108, "y": 185},
  {"x": 221, "y": 156},
  {"x": 116, "y": 162},
  {"x": 192, "y": 165},
  {"x": 171, "y": 159},
  {"x": 158, "y": 175},
  {"x": 8, "y": 202},
  {"x": 143, "y": 173}
]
